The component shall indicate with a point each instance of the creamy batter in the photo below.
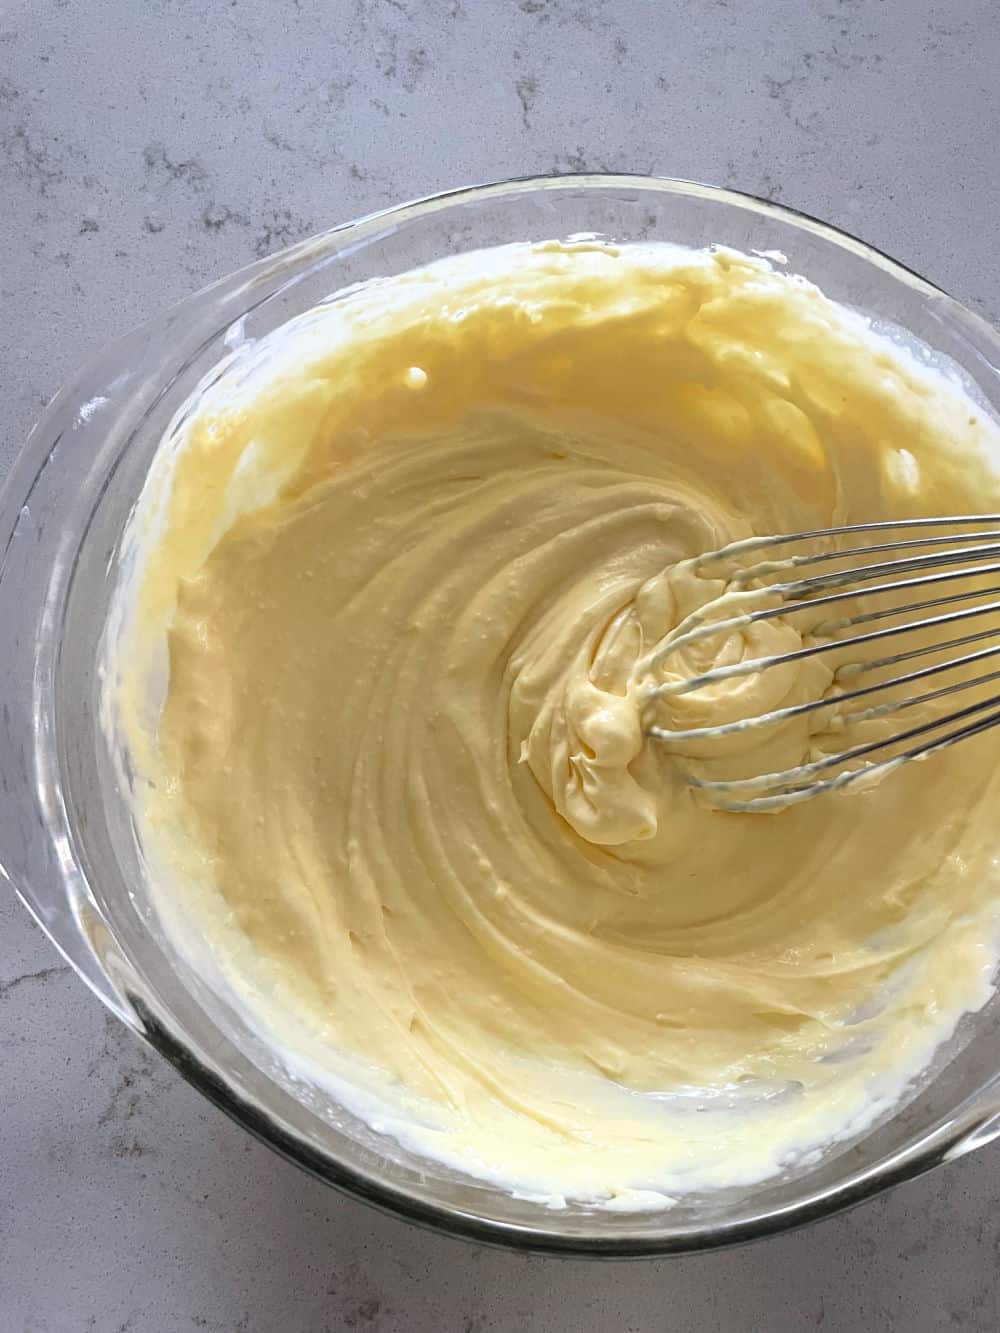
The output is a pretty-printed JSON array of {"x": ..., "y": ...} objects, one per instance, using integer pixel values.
[{"x": 409, "y": 559}]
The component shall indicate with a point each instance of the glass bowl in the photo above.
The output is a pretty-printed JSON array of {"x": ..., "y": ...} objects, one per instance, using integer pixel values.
[{"x": 67, "y": 843}]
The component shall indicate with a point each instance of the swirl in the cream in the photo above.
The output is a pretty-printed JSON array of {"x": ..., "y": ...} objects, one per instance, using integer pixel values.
[{"x": 410, "y": 570}]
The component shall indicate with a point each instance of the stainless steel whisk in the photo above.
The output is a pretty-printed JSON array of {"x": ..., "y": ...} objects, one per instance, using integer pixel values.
[{"x": 959, "y": 557}]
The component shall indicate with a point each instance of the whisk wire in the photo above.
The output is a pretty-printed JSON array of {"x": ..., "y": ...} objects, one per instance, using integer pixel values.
[
  {"x": 976, "y": 563},
  {"x": 753, "y": 665},
  {"x": 830, "y": 701}
]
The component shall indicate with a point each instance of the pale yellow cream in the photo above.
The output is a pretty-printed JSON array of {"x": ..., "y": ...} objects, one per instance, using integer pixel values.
[{"x": 410, "y": 557}]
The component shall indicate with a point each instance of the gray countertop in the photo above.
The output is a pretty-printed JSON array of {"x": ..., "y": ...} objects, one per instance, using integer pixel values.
[{"x": 146, "y": 149}]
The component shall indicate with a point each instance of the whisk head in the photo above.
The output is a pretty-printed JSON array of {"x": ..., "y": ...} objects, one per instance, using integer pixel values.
[{"x": 924, "y": 588}]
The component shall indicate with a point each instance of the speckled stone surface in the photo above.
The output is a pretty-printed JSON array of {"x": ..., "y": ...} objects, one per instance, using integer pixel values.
[{"x": 147, "y": 148}]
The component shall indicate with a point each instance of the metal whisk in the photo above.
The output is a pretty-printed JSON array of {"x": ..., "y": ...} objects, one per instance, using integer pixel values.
[{"x": 959, "y": 558}]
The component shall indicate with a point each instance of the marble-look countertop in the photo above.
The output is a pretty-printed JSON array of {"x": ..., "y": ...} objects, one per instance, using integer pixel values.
[{"x": 147, "y": 148}]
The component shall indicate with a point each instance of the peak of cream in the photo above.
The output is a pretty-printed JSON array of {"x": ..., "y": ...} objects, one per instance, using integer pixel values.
[{"x": 405, "y": 565}]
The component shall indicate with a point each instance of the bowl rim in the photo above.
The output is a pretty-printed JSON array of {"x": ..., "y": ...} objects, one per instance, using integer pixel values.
[{"x": 975, "y": 1121}]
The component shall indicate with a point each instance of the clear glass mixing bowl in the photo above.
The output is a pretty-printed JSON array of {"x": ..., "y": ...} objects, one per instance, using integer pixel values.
[{"x": 66, "y": 842}]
